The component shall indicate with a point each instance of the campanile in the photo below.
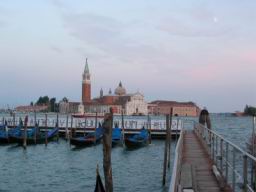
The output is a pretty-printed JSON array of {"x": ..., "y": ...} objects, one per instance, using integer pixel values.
[{"x": 86, "y": 84}]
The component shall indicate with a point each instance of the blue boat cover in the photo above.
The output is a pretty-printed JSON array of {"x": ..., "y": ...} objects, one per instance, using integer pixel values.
[
  {"x": 142, "y": 136},
  {"x": 116, "y": 133}
]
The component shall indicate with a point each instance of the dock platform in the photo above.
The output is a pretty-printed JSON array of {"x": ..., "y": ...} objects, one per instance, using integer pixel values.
[
  {"x": 197, "y": 162},
  {"x": 206, "y": 161}
]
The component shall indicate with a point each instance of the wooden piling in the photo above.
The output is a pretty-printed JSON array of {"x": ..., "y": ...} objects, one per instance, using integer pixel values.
[
  {"x": 96, "y": 122},
  {"x": 166, "y": 150},
  {"x": 149, "y": 128},
  {"x": 46, "y": 130},
  {"x": 35, "y": 133},
  {"x": 169, "y": 138},
  {"x": 123, "y": 136},
  {"x": 67, "y": 132},
  {"x": 57, "y": 126},
  {"x": 13, "y": 119},
  {"x": 107, "y": 146},
  {"x": 85, "y": 124},
  {"x": 25, "y": 133},
  {"x": 71, "y": 128}
]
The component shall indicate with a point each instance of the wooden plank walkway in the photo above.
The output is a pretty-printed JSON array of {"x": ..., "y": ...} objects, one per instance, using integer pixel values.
[{"x": 194, "y": 154}]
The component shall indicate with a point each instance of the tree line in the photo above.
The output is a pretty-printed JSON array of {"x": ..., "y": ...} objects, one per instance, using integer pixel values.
[
  {"x": 53, "y": 106},
  {"x": 250, "y": 110}
]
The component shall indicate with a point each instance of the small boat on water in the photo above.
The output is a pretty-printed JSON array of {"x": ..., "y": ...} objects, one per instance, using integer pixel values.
[
  {"x": 89, "y": 139},
  {"x": 116, "y": 136},
  {"x": 34, "y": 136},
  {"x": 6, "y": 132},
  {"x": 138, "y": 140}
]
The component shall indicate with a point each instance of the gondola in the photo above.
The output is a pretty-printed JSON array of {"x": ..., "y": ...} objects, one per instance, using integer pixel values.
[
  {"x": 89, "y": 139},
  {"x": 6, "y": 132},
  {"x": 116, "y": 136},
  {"x": 34, "y": 136},
  {"x": 137, "y": 140}
]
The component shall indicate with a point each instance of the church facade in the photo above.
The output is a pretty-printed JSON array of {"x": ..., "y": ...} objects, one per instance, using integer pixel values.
[{"x": 120, "y": 100}]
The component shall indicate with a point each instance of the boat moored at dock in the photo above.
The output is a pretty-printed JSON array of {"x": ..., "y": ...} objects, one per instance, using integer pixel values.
[{"x": 137, "y": 140}]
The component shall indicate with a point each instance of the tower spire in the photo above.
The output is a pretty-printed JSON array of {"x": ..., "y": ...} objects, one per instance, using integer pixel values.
[{"x": 86, "y": 68}]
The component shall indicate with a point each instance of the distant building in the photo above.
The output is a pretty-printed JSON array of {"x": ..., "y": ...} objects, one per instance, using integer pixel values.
[
  {"x": 120, "y": 100},
  {"x": 32, "y": 108},
  {"x": 130, "y": 103},
  {"x": 161, "y": 107},
  {"x": 70, "y": 107}
]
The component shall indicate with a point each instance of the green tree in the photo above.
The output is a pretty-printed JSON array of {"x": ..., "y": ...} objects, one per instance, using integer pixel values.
[
  {"x": 43, "y": 100},
  {"x": 249, "y": 110},
  {"x": 65, "y": 99},
  {"x": 52, "y": 104}
]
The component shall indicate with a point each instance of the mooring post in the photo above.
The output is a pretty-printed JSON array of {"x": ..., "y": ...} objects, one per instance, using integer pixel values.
[
  {"x": 25, "y": 133},
  {"x": 71, "y": 128},
  {"x": 123, "y": 136},
  {"x": 149, "y": 129},
  {"x": 84, "y": 124},
  {"x": 107, "y": 146},
  {"x": 35, "y": 133},
  {"x": 169, "y": 137},
  {"x": 46, "y": 130},
  {"x": 166, "y": 149},
  {"x": 13, "y": 119},
  {"x": 96, "y": 122},
  {"x": 57, "y": 126},
  {"x": 2, "y": 120},
  {"x": 66, "y": 131}
]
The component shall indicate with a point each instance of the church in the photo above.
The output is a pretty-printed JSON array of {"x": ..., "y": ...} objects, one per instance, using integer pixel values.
[
  {"x": 130, "y": 103},
  {"x": 120, "y": 100}
]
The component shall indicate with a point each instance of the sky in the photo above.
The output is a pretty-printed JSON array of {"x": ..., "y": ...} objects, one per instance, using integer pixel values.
[{"x": 197, "y": 50}]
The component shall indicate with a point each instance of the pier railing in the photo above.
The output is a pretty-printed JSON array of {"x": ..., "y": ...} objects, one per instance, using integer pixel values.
[
  {"x": 235, "y": 165},
  {"x": 177, "y": 164}
]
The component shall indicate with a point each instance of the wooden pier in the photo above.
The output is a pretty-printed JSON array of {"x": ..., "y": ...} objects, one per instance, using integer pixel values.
[
  {"x": 196, "y": 167},
  {"x": 205, "y": 161}
]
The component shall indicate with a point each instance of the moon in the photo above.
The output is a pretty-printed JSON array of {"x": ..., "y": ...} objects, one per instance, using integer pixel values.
[{"x": 215, "y": 20}]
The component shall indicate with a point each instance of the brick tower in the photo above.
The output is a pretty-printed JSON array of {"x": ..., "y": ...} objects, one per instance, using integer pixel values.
[{"x": 86, "y": 85}]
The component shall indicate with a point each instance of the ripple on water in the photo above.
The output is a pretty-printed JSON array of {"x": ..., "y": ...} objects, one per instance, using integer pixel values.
[{"x": 58, "y": 167}]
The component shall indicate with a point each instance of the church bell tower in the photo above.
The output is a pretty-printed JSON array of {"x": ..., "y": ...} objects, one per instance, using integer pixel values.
[{"x": 86, "y": 84}]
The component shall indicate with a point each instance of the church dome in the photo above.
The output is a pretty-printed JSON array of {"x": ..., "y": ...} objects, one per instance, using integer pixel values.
[{"x": 120, "y": 90}]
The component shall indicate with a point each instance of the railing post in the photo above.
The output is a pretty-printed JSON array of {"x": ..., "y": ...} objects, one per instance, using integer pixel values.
[
  {"x": 216, "y": 151},
  {"x": 213, "y": 143},
  {"x": 221, "y": 155},
  {"x": 233, "y": 172},
  {"x": 210, "y": 144},
  {"x": 245, "y": 172},
  {"x": 227, "y": 148}
]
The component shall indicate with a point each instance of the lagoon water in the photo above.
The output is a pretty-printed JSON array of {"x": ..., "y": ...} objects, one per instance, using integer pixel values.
[{"x": 59, "y": 167}]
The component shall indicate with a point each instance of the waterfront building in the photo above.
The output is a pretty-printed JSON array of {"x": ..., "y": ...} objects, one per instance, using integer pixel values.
[
  {"x": 32, "y": 108},
  {"x": 70, "y": 107},
  {"x": 161, "y": 107},
  {"x": 132, "y": 104}
]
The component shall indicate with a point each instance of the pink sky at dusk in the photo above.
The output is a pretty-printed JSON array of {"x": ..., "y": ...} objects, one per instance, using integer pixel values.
[{"x": 186, "y": 51}]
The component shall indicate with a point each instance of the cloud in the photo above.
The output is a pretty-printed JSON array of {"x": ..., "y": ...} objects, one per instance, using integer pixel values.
[
  {"x": 56, "y": 49},
  {"x": 93, "y": 29},
  {"x": 188, "y": 28}
]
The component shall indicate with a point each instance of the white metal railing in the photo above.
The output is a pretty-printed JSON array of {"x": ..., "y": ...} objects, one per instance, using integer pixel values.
[
  {"x": 236, "y": 166},
  {"x": 177, "y": 164}
]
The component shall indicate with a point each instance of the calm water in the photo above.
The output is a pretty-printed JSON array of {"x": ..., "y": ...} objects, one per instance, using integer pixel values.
[{"x": 58, "y": 167}]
